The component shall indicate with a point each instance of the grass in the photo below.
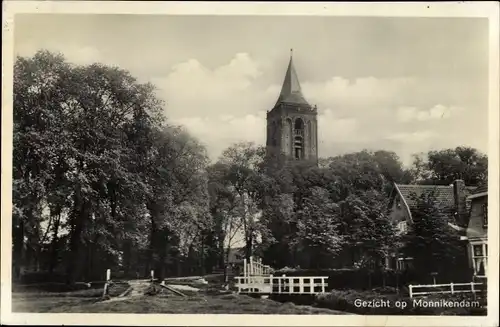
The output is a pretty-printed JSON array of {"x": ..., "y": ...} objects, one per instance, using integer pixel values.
[
  {"x": 85, "y": 302},
  {"x": 209, "y": 300}
]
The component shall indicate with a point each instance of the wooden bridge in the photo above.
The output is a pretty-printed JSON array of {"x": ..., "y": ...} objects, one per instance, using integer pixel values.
[
  {"x": 281, "y": 285},
  {"x": 257, "y": 278}
]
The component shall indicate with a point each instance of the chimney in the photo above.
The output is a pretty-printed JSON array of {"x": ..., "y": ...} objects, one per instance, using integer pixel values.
[{"x": 460, "y": 202}]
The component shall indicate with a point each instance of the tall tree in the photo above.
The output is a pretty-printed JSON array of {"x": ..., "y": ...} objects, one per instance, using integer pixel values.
[
  {"x": 444, "y": 166},
  {"x": 319, "y": 237},
  {"x": 245, "y": 164},
  {"x": 94, "y": 161}
]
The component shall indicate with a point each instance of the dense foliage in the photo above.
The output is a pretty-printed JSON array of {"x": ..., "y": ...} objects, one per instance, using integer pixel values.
[{"x": 102, "y": 180}]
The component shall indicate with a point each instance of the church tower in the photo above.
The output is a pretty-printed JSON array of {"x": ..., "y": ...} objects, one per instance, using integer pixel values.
[{"x": 292, "y": 125}]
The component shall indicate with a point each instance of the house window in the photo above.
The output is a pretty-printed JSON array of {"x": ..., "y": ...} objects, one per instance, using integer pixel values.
[
  {"x": 402, "y": 226},
  {"x": 398, "y": 203},
  {"x": 403, "y": 263},
  {"x": 485, "y": 215},
  {"x": 479, "y": 258}
]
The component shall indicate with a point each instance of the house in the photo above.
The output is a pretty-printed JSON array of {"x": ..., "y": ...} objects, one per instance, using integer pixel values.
[
  {"x": 476, "y": 233},
  {"x": 453, "y": 199},
  {"x": 236, "y": 256}
]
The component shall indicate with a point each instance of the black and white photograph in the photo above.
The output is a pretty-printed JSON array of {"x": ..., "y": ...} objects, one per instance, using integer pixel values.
[{"x": 264, "y": 162}]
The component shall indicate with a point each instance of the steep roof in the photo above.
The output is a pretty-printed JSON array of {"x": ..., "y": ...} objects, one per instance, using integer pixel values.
[
  {"x": 481, "y": 189},
  {"x": 480, "y": 192},
  {"x": 443, "y": 193},
  {"x": 291, "y": 91}
]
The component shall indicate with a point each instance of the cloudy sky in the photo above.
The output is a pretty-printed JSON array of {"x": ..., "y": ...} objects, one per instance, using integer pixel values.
[{"x": 402, "y": 84}]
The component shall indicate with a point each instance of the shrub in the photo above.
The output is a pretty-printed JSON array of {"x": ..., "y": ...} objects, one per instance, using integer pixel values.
[
  {"x": 37, "y": 277},
  {"x": 49, "y": 287}
]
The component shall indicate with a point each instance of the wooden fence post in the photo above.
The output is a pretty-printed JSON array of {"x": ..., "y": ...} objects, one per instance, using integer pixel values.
[
  {"x": 271, "y": 283},
  {"x": 152, "y": 276},
  {"x": 473, "y": 290},
  {"x": 411, "y": 290},
  {"x": 106, "y": 284},
  {"x": 451, "y": 287},
  {"x": 245, "y": 267},
  {"x": 322, "y": 285}
]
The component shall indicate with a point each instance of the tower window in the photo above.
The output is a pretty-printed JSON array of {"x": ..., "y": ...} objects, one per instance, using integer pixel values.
[
  {"x": 299, "y": 127},
  {"x": 299, "y": 123},
  {"x": 298, "y": 148},
  {"x": 298, "y": 153}
]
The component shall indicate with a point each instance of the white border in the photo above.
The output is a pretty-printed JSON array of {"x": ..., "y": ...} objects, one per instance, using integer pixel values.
[{"x": 422, "y": 9}]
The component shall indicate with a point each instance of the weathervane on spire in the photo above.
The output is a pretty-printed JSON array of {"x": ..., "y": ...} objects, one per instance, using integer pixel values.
[{"x": 291, "y": 52}]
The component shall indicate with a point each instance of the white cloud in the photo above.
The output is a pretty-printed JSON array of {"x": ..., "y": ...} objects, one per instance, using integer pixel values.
[
  {"x": 195, "y": 90},
  {"x": 332, "y": 128},
  {"x": 412, "y": 137},
  {"x": 74, "y": 53},
  {"x": 218, "y": 132},
  {"x": 409, "y": 114},
  {"x": 227, "y": 104},
  {"x": 406, "y": 114},
  {"x": 364, "y": 91}
]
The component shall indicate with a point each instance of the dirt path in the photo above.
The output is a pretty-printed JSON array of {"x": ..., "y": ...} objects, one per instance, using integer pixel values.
[{"x": 137, "y": 288}]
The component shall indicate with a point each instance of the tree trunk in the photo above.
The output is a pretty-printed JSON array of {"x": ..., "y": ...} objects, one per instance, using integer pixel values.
[
  {"x": 127, "y": 257},
  {"x": 18, "y": 253},
  {"x": 226, "y": 263},
  {"x": 79, "y": 218},
  {"x": 248, "y": 246},
  {"x": 151, "y": 262},
  {"x": 54, "y": 244},
  {"x": 202, "y": 257}
]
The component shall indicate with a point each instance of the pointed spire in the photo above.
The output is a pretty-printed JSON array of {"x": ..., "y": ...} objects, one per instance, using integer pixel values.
[{"x": 291, "y": 91}]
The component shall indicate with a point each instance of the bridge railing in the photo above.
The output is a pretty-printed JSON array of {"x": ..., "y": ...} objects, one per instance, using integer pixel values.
[
  {"x": 281, "y": 284},
  {"x": 254, "y": 267}
]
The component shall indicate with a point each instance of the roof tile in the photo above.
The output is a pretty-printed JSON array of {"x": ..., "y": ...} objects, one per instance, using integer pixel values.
[{"x": 444, "y": 194}]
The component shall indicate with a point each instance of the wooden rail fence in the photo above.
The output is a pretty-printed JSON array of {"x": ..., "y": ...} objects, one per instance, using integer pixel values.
[
  {"x": 281, "y": 285},
  {"x": 451, "y": 288}
]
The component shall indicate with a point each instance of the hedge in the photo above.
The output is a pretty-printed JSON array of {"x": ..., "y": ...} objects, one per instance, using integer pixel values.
[
  {"x": 364, "y": 279},
  {"x": 359, "y": 279}
]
